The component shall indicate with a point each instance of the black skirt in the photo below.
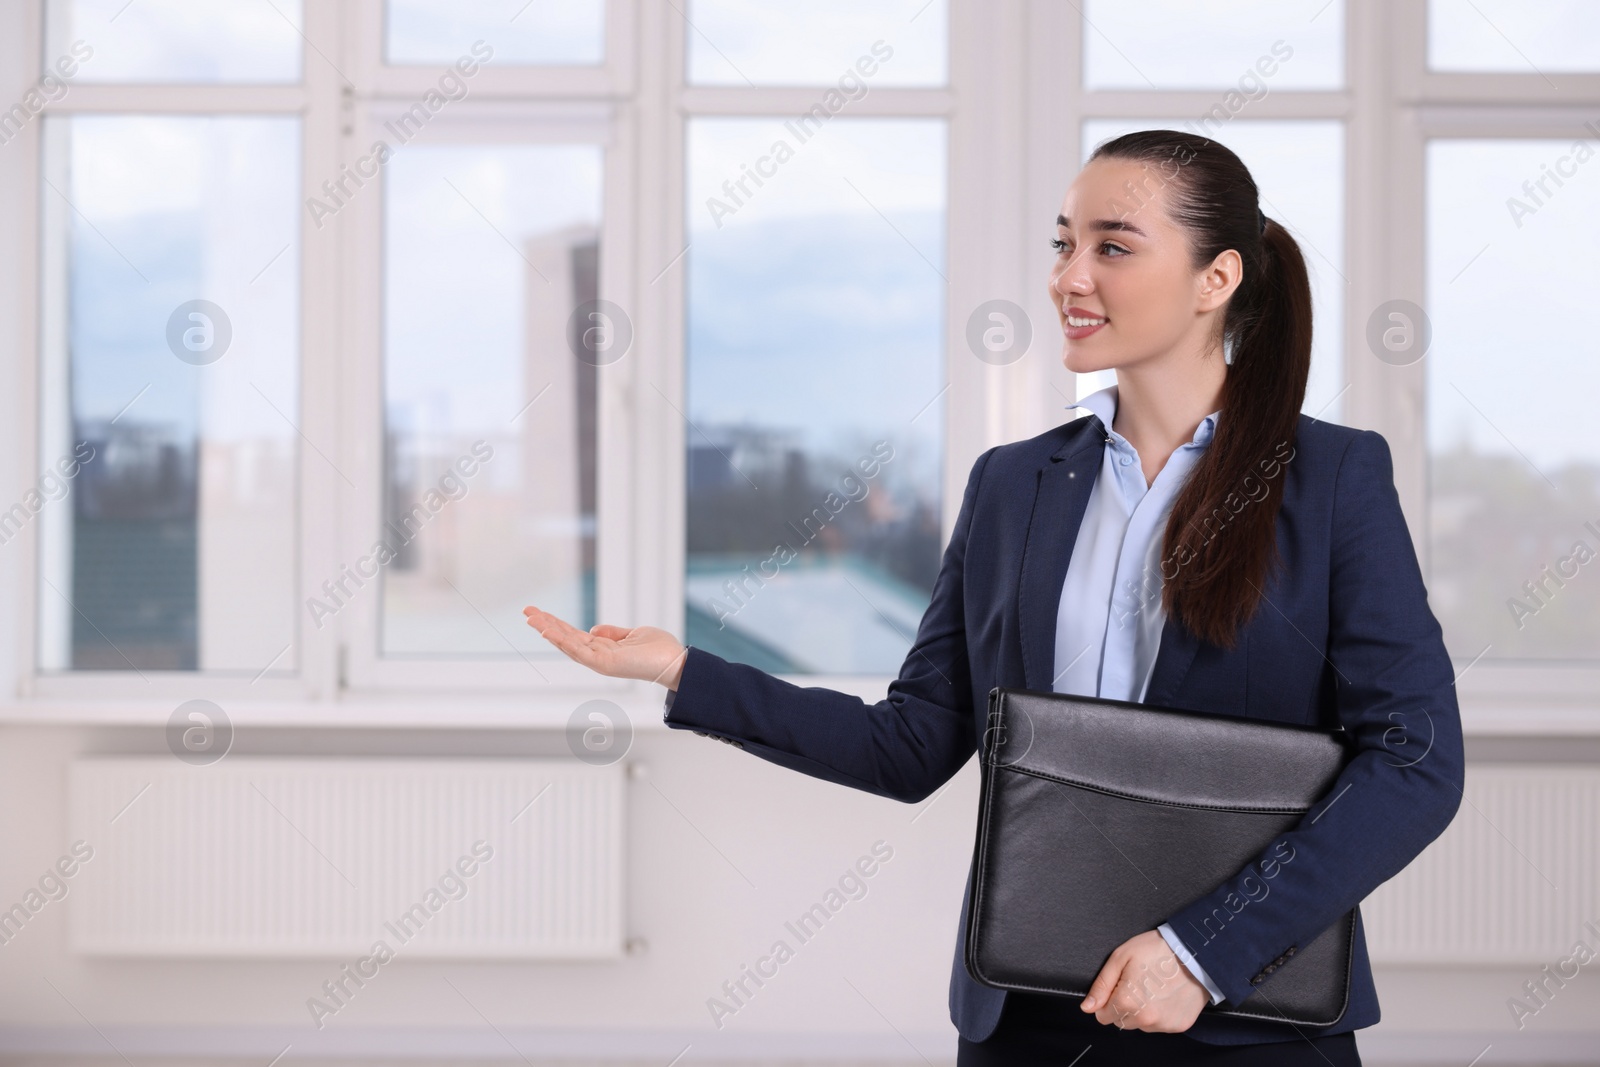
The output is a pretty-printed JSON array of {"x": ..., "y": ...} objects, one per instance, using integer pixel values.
[{"x": 1041, "y": 1028}]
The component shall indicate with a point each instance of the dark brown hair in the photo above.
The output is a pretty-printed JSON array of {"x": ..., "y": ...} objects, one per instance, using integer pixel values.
[{"x": 1221, "y": 538}]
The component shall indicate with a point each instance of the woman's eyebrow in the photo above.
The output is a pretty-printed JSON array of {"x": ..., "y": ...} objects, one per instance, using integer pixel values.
[{"x": 1105, "y": 224}]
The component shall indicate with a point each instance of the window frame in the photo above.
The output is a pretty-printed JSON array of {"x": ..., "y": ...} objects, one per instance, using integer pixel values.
[
  {"x": 137, "y": 696},
  {"x": 971, "y": 397},
  {"x": 1495, "y": 697}
]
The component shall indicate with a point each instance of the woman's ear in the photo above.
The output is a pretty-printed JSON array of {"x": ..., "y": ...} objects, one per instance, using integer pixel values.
[{"x": 1220, "y": 280}]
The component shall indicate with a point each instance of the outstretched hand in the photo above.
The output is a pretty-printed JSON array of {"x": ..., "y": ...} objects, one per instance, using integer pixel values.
[
  {"x": 644, "y": 652},
  {"x": 1143, "y": 986}
]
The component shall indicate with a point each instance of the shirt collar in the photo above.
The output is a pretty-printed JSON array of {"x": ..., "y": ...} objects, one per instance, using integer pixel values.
[{"x": 1103, "y": 405}]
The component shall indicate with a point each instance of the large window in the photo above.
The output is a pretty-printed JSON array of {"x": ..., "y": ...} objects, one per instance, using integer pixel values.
[{"x": 361, "y": 325}]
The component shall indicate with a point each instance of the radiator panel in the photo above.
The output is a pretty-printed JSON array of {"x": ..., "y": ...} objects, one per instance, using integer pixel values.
[
  {"x": 1513, "y": 879},
  {"x": 277, "y": 857}
]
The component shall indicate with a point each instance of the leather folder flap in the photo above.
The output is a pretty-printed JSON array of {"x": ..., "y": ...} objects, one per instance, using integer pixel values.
[{"x": 1164, "y": 755}]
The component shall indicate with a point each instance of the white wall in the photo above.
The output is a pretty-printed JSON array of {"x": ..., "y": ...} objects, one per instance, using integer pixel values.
[{"x": 704, "y": 819}]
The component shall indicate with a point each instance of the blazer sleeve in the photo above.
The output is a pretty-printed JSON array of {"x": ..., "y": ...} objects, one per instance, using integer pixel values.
[
  {"x": 903, "y": 747},
  {"x": 1395, "y": 694}
]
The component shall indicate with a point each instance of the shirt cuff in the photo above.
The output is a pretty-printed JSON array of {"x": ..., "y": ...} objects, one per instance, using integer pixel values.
[{"x": 1185, "y": 957}]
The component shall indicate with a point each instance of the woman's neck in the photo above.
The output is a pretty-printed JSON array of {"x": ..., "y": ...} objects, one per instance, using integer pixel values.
[{"x": 1159, "y": 412}]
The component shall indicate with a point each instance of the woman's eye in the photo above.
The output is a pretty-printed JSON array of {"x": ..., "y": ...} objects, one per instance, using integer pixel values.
[{"x": 1061, "y": 246}]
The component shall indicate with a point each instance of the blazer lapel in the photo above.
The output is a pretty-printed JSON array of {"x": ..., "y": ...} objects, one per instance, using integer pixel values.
[{"x": 1061, "y": 498}]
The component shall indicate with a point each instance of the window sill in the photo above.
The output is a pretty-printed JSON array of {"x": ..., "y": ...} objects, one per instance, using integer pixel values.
[
  {"x": 445, "y": 711},
  {"x": 1530, "y": 720},
  {"x": 641, "y": 703}
]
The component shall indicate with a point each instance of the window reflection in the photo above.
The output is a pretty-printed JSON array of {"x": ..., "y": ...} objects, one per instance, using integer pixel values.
[
  {"x": 1514, "y": 493},
  {"x": 171, "y": 296},
  {"x": 490, "y": 436},
  {"x": 815, "y": 391}
]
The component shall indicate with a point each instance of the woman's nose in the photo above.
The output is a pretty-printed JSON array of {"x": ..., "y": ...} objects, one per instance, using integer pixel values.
[{"x": 1072, "y": 279}]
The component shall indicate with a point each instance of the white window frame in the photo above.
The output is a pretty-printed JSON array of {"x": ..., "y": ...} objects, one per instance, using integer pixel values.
[
  {"x": 1505, "y": 697},
  {"x": 137, "y": 696},
  {"x": 1014, "y": 106}
]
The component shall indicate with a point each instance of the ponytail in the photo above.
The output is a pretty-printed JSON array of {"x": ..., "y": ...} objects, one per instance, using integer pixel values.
[{"x": 1220, "y": 545}]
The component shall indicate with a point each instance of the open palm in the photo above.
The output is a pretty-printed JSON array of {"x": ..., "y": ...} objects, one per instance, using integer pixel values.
[{"x": 645, "y": 652}]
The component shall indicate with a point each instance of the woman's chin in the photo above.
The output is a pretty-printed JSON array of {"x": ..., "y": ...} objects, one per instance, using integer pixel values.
[{"x": 1076, "y": 360}]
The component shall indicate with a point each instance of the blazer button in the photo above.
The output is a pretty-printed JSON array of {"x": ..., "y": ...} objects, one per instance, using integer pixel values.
[
  {"x": 1289, "y": 951},
  {"x": 1258, "y": 979},
  {"x": 738, "y": 744},
  {"x": 701, "y": 733},
  {"x": 1271, "y": 967}
]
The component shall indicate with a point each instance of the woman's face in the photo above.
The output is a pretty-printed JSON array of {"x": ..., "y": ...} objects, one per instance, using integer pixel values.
[{"x": 1122, "y": 260}]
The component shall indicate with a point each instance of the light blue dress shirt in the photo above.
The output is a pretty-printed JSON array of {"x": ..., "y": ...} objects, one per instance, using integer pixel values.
[{"x": 1108, "y": 624}]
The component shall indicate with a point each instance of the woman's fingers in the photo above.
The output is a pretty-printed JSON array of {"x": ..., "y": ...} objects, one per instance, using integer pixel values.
[
  {"x": 642, "y": 652},
  {"x": 575, "y": 643},
  {"x": 1104, "y": 983}
]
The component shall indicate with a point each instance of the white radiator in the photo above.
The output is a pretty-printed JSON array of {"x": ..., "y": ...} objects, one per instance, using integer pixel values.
[
  {"x": 1513, "y": 880},
  {"x": 281, "y": 857},
  {"x": 322, "y": 857}
]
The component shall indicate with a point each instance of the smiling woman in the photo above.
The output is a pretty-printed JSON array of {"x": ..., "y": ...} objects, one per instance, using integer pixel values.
[{"x": 1204, "y": 314}]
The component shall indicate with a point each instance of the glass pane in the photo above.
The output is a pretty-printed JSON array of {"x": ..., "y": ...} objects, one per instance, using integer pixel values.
[
  {"x": 1298, "y": 167},
  {"x": 1505, "y": 35},
  {"x": 171, "y": 41},
  {"x": 815, "y": 391},
  {"x": 846, "y": 44},
  {"x": 1514, "y": 460},
  {"x": 520, "y": 32},
  {"x": 490, "y": 254},
  {"x": 1245, "y": 48},
  {"x": 170, "y": 367}
]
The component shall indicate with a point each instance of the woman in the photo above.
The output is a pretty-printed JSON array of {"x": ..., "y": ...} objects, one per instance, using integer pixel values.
[{"x": 1283, "y": 585}]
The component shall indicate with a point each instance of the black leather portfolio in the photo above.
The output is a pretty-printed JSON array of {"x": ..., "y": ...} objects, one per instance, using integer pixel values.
[{"x": 1098, "y": 819}]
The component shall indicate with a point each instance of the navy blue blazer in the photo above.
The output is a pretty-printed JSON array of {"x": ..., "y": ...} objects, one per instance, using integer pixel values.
[{"x": 1344, "y": 636}]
